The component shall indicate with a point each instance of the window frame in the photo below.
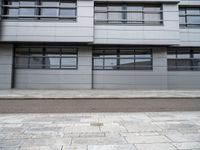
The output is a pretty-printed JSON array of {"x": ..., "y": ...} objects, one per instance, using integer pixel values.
[
  {"x": 44, "y": 56},
  {"x": 118, "y": 58},
  {"x": 191, "y": 58},
  {"x": 38, "y": 11},
  {"x": 124, "y": 11},
  {"x": 186, "y": 15}
]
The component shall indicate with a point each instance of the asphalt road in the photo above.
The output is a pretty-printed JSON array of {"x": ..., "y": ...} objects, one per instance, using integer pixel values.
[{"x": 98, "y": 105}]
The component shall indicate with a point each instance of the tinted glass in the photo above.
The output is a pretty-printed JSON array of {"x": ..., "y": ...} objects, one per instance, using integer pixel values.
[
  {"x": 49, "y": 12},
  {"x": 196, "y": 54},
  {"x": 68, "y": 12},
  {"x": 110, "y": 63},
  {"x": 183, "y": 54},
  {"x": 143, "y": 64},
  {"x": 68, "y": 62},
  {"x": 52, "y": 62},
  {"x": 126, "y": 63},
  {"x": 98, "y": 63},
  {"x": 184, "y": 64}
]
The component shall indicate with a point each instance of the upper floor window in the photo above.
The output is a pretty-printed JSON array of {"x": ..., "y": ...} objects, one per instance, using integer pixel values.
[
  {"x": 128, "y": 13},
  {"x": 189, "y": 17},
  {"x": 183, "y": 60},
  {"x": 46, "y": 58},
  {"x": 122, "y": 59},
  {"x": 39, "y": 9}
]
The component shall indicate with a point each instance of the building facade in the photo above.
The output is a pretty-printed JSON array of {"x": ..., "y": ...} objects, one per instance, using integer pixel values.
[{"x": 100, "y": 44}]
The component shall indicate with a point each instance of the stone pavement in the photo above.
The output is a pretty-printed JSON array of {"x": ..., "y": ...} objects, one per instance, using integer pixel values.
[
  {"x": 101, "y": 131},
  {"x": 92, "y": 94}
]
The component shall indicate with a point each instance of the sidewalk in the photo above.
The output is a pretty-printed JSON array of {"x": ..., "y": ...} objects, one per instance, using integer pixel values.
[{"x": 96, "y": 94}]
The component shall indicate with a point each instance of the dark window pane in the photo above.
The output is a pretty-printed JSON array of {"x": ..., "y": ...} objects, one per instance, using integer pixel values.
[
  {"x": 152, "y": 8},
  {"x": 193, "y": 11},
  {"x": 101, "y": 16},
  {"x": 21, "y": 62},
  {"x": 36, "y": 62},
  {"x": 36, "y": 52},
  {"x": 68, "y": 62},
  {"x": 171, "y": 63},
  {"x": 171, "y": 54},
  {"x": 52, "y": 62},
  {"x": 69, "y": 52},
  {"x": 67, "y": 12},
  {"x": 49, "y": 12},
  {"x": 27, "y": 3},
  {"x": 126, "y": 64},
  {"x": 27, "y": 11},
  {"x": 12, "y": 12},
  {"x": 50, "y": 3},
  {"x": 134, "y": 16},
  {"x": 126, "y": 53},
  {"x": 101, "y": 8},
  {"x": 196, "y": 64},
  {"x": 53, "y": 52},
  {"x": 182, "y": 20},
  {"x": 184, "y": 64},
  {"x": 110, "y": 63},
  {"x": 110, "y": 53},
  {"x": 193, "y": 19},
  {"x": 12, "y": 2},
  {"x": 183, "y": 54},
  {"x": 196, "y": 54},
  {"x": 115, "y": 17},
  {"x": 142, "y": 54},
  {"x": 98, "y": 63},
  {"x": 134, "y": 8},
  {"x": 98, "y": 53},
  {"x": 143, "y": 64},
  {"x": 152, "y": 17},
  {"x": 182, "y": 11},
  {"x": 67, "y": 3},
  {"x": 21, "y": 51}
]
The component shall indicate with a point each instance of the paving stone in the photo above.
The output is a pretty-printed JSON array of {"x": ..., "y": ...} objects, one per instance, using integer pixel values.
[
  {"x": 84, "y": 147},
  {"x": 157, "y": 146},
  {"x": 187, "y": 145},
  {"x": 142, "y": 128},
  {"x": 184, "y": 137},
  {"x": 9, "y": 148},
  {"x": 9, "y": 142},
  {"x": 41, "y": 148},
  {"x": 92, "y": 134},
  {"x": 111, "y": 147},
  {"x": 98, "y": 141},
  {"x": 112, "y": 128},
  {"x": 46, "y": 142},
  {"x": 146, "y": 139}
]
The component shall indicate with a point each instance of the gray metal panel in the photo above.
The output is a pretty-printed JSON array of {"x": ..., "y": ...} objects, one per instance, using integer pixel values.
[
  {"x": 58, "y": 79},
  {"x": 132, "y": 79},
  {"x": 53, "y": 31},
  {"x": 166, "y": 34},
  {"x": 6, "y": 57}
]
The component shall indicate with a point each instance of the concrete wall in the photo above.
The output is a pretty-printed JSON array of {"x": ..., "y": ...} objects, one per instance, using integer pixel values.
[
  {"x": 6, "y": 55},
  {"x": 132, "y": 79},
  {"x": 58, "y": 79},
  {"x": 166, "y": 34},
  {"x": 55, "y": 31}
]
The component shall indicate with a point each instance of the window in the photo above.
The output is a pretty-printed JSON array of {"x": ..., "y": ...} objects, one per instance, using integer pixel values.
[
  {"x": 183, "y": 60},
  {"x": 189, "y": 17},
  {"x": 46, "y": 58},
  {"x": 128, "y": 13},
  {"x": 122, "y": 59},
  {"x": 40, "y": 9}
]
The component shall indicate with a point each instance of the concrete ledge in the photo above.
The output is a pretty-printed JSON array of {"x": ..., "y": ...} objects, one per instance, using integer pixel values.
[{"x": 98, "y": 94}]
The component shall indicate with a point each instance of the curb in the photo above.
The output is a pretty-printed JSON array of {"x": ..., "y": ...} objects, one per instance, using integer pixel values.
[{"x": 91, "y": 98}]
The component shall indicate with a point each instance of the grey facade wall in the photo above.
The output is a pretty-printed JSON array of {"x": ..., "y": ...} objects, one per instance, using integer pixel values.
[
  {"x": 58, "y": 79},
  {"x": 166, "y": 34},
  {"x": 52, "y": 31},
  {"x": 6, "y": 57},
  {"x": 132, "y": 79}
]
